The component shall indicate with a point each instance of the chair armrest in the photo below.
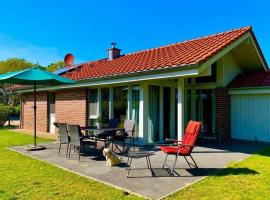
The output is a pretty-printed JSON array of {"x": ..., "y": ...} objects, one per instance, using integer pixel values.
[
  {"x": 173, "y": 141},
  {"x": 186, "y": 145}
]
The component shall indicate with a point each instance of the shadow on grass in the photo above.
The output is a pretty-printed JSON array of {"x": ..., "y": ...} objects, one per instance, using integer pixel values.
[
  {"x": 225, "y": 171},
  {"x": 8, "y": 127},
  {"x": 193, "y": 172},
  {"x": 2, "y": 192},
  {"x": 265, "y": 152}
]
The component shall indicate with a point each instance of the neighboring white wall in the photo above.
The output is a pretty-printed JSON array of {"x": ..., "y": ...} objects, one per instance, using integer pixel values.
[
  {"x": 227, "y": 70},
  {"x": 251, "y": 117}
]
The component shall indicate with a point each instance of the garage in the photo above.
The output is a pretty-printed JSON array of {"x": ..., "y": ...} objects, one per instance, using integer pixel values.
[{"x": 250, "y": 114}]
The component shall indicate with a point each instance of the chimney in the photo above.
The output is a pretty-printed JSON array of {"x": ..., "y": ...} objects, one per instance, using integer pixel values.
[{"x": 113, "y": 52}]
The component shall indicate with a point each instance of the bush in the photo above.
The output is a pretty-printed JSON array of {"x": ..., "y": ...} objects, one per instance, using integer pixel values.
[{"x": 5, "y": 112}]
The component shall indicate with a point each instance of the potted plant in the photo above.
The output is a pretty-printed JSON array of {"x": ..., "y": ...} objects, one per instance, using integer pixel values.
[{"x": 99, "y": 121}]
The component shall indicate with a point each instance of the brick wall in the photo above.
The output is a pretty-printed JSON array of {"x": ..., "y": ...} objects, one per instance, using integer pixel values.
[
  {"x": 71, "y": 106},
  {"x": 27, "y": 116},
  {"x": 223, "y": 114}
]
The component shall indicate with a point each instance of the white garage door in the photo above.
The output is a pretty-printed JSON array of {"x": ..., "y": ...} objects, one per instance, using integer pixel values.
[{"x": 251, "y": 117}]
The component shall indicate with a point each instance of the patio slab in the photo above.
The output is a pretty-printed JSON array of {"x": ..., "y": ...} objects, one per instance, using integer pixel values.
[{"x": 208, "y": 158}]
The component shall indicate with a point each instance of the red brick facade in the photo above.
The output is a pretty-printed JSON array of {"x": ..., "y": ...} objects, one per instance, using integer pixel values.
[
  {"x": 27, "y": 104},
  {"x": 223, "y": 114},
  {"x": 70, "y": 107}
]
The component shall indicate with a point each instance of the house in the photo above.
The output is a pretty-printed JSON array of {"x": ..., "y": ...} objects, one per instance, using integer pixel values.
[{"x": 162, "y": 89}]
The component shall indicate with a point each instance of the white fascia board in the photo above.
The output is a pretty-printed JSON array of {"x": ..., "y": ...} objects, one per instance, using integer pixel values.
[
  {"x": 257, "y": 51},
  {"x": 174, "y": 74},
  {"x": 224, "y": 52},
  {"x": 255, "y": 90}
]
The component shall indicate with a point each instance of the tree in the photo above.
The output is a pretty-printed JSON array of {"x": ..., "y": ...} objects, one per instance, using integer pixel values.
[
  {"x": 56, "y": 66},
  {"x": 15, "y": 64}
]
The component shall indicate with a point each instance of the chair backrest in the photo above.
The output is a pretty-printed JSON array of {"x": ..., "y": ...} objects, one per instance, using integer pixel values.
[
  {"x": 191, "y": 135},
  {"x": 63, "y": 132},
  {"x": 74, "y": 134},
  {"x": 129, "y": 126},
  {"x": 113, "y": 123}
]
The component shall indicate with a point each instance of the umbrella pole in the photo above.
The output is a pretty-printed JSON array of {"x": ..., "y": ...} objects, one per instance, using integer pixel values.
[
  {"x": 35, "y": 114},
  {"x": 35, "y": 147}
]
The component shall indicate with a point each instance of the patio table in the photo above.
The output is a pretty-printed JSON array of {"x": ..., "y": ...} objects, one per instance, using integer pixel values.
[{"x": 105, "y": 134}]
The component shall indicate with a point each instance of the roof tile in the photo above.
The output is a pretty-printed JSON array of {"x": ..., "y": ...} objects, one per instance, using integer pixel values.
[
  {"x": 188, "y": 52},
  {"x": 251, "y": 79}
]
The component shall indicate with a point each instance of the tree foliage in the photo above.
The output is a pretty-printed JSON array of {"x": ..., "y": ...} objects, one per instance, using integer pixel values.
[
  {"x": 14, "y": 64},
  {"x": 56, "y": 66}
]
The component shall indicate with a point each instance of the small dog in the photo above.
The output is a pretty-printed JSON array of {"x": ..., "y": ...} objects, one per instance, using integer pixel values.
[{"x": 112, "y": 158}]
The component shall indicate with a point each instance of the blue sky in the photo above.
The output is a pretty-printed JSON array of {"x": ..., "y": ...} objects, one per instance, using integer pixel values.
[{"x": 44, "y": 31}]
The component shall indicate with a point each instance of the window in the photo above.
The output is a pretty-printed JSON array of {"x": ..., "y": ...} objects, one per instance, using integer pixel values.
[
  {"x": 52, "y": 103},
  {"x": 105, "y": 93},
  {"x": 166, "y": 112},
  {"x": 209, "y": 79},
  {"x": 93, "y": 106},
  {"x": 120, "y": 104},
  {"x": 154, "y": 112}
]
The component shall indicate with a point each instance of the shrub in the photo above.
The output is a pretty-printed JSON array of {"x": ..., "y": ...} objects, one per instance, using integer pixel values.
[{"x": 5, "y": 112}]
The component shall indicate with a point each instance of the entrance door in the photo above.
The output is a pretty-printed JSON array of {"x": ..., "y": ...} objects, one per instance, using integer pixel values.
[
  {"x": 51, "y": 112},
  {"x": 205, "y": 109}
]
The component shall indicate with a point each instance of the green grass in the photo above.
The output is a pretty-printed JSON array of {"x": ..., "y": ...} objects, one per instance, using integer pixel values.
[
  {"x": 22, "y": 177},
  {"x": 248, "y": 179}
]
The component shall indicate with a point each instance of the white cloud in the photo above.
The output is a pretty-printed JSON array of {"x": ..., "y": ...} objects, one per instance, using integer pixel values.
[{"x": 10, "y": 47}]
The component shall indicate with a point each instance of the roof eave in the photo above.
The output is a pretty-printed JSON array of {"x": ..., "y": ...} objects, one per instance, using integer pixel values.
[{"x": 128, "y": 75}]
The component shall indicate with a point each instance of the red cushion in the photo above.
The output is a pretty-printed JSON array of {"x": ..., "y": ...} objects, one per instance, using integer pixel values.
[
  {"x": 190, "y": 137},
  {"x": 174, "y": 150},
  {"x": 191, "y": 133}
]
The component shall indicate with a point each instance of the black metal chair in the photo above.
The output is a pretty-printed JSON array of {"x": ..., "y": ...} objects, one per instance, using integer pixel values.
[
  {"x": 76, "y": 139},
  {"x": 126, "y": 134},
  {"x": 113, "y": 123},
  {"x": 107, "y": 136},
  {"x": 63, "y": 136}
]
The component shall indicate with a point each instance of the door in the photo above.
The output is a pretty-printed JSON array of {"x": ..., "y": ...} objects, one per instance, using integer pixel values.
[
  {"x": 205, "y": 111},
  {"x": 51, "y": 112},
  {"x": 251, "y": 117}
]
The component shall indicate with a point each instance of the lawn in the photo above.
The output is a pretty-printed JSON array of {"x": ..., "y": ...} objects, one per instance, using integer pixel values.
[
  {"x": 248, "y": 179},
  {"x": 22, "y": 177}
]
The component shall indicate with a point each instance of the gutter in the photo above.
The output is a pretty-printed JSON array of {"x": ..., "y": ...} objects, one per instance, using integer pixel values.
[
  {"x": 126, "y": 77},
  {"x": 250, "y": 90}
]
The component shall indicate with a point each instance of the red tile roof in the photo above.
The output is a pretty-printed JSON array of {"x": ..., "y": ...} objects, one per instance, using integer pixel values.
[
  {"x": 185, "y": 53},
  {"x": 252, "y": 79}
]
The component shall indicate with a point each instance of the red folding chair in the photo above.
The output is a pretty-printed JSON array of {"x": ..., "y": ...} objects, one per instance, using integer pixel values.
[{"x": 183, "y": 148}]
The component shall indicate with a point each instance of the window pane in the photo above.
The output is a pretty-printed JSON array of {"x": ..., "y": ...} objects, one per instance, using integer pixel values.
[
  {"x": 93, "y": 103},
  {"x": 153, "y": 119},
  {"x": 120, "y": 104},
  {"x": 52, "y": 102},
  {"x": 105, "y": 93},
  {"x": 166, "y": 112}
]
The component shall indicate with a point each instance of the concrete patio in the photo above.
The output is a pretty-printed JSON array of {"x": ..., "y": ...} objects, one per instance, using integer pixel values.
[{"x": 208, "y": 157}]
